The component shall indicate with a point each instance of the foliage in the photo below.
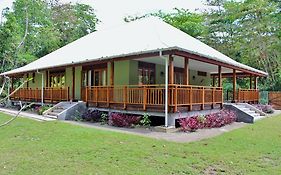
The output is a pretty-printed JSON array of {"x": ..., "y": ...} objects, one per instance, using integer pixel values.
[
  {"x": 265, "y": 108},
  {"x": 104, "y": 118},
  {"x": 145, "y": 121},
  {"x": 92, "y": 116},
  {"x": 123, "y": 120},
  {"x": 186, "y": 21},
  {"x": 215, "y": 120},
  {"x": 41, "y": 109},
  {"x": 34, "y": 28},
  {"x": 248, "y": 31}
]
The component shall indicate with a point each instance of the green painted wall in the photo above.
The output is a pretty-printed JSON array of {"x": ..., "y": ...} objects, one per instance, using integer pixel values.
[
  {"x": 126, "y": 72},
  {"x": 68, "y": 80},
  {"x": 78, "y": 76},
  {"x": 37, "y": 82},
  {"x": 160, "y": 79},
  {"x": 195, "y": 79},
  {"x": 133, "y": 72},
  {"x": 121, "y": 72}
]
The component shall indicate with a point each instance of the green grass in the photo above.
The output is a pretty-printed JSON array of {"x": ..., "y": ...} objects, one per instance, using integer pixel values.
[{"x": 31, "y": 147}]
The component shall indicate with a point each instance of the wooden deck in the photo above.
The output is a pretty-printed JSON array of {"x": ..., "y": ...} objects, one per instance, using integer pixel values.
[
  {"x": 34, "y": 95},
  {"x": 248, "y": 95},
  {"x": 152, "y": 97},
  {"x": 142, "y": 98}
]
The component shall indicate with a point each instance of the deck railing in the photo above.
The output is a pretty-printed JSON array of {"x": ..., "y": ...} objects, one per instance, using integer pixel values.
[
  {"x": 248, "y": 95},
  {"x": 34, "y": 94},
  {"x": 153, "y": 96}
]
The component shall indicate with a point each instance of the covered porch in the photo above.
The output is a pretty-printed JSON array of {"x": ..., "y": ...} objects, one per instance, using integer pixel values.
[{"x": 141, "y": 83}]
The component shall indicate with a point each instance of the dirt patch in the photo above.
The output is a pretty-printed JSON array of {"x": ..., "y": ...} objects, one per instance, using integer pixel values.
[{"x": 213, "y": 170}]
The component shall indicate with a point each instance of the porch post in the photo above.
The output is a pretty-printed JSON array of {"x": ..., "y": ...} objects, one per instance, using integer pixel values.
[
  {"x": 251, "y": 81},
  {"x": 219, "y": 76},
  {"x": 111, "y": 81},
  {"x": 42, "y": 90},
  {"x": 171, "y": 69},
  {"x": 214, "y": 81},
  {"x": 186, "y": 71},
  {"x": 12, "y": 82},
  {"x": 256, "y": 82},
  {"x": 166, "y": 90},
  {"x": 73, "y": 83},
  {"x": 234, "y": 85}
]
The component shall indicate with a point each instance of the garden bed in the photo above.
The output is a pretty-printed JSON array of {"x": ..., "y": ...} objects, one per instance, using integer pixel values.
[{"x": 214, "y": 120}]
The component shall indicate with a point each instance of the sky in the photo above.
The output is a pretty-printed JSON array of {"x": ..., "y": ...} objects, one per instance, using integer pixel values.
[{"x": 111, "y": 12}]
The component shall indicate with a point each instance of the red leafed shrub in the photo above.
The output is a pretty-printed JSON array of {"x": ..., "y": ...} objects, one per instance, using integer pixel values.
[
  {"x": 214, "y": 120},
  {"x": 123, "y": 120},
  {"x": 189, "y": 124}
]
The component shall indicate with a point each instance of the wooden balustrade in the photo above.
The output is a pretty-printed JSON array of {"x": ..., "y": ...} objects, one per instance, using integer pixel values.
[
  {"x": 153, "y": 95},
  {"x": 34, "y": 95},
  {"x": 248, "y": 95}
]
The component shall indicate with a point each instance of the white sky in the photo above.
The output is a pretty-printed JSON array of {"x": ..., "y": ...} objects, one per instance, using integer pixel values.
[{"x": 112, "y": 12}]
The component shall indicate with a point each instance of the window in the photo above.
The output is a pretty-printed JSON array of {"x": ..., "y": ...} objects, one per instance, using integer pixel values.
[
  {"x": 99, "y": 77},
  {"x": 179, "y": 77},
  {"x": 57, "y": 80},
  {"x": 200, "y": 73},
  {"x": 94, "y": 75},
  {"x": 146, "y": 73}
]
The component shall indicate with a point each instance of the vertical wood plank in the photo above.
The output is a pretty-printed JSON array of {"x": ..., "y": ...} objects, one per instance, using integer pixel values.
[
  {"x": 111, "y": 73},
  {"x": 176, "y": 99},
  {"x": 190, "y": 98},
  {"x": 219, "y": 77},
  {"x": 73, "y": 83},
  {"x": 203, "y": 98},
  {"x": 186, "y": 71},
  {"x": 234, "y": 85},
  {"x": 251, "y": 82},
  {"x": 144, "y": 97},
  {"x": 171, "y": 69},
  {"x": 107, "y": 96},
  {"x": 125, "y": 97},
  {"x": 256, "y": 82}
]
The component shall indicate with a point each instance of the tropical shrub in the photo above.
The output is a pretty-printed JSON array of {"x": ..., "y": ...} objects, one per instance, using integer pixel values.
[
  {"x": 123, "y": 120},
  {"x": 41, "y": 109},
  {"x": 104, "y": 118},
  {"x": 91, "y": 116},
  {"x": 214, "y": 120},
  {"x": 145, "y": 121}
]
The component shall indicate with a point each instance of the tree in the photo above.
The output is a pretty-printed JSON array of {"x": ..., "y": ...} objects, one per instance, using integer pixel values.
[
  {"x": 34, "y": 28},
  {"x": 248, "y": 32},
  {"x": 186, "y": 21}
]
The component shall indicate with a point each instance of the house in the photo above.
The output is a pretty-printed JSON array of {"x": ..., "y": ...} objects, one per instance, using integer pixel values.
[{"x": 145, "y": 65}]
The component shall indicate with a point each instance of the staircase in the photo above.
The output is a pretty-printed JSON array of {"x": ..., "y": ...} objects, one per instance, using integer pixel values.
[
  {"x": 65, "y": 110},
  {"x": 246, "y": 112}
]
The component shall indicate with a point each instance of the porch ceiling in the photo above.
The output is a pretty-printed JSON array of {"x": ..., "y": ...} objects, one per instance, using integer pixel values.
[{"x": 193, "y": 64}]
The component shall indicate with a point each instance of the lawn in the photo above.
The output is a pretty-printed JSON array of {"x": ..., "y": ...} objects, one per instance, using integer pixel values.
[{"x": 31, "y": 147}]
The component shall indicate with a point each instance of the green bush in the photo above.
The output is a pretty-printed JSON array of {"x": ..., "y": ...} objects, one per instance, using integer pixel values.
[{"x": 41, "y": 109}]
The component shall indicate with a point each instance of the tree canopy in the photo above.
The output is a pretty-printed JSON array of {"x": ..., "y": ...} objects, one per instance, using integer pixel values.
[
  {"x": 248, "y": 31},
  {"x": 34, "y": 28}
]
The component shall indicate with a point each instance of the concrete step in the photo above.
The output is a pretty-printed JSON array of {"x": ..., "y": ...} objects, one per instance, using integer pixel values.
[
  {"x": 51, "y": 116},
  {"x": 258, "y": 118},
  {"x": 57, "y": 110},
  {"x": 52, "y": 113}
]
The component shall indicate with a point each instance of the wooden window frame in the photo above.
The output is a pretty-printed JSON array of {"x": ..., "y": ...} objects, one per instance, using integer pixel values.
[
  {"x": 150, "y": 67},
  {"x": 59, "y": 74}
]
